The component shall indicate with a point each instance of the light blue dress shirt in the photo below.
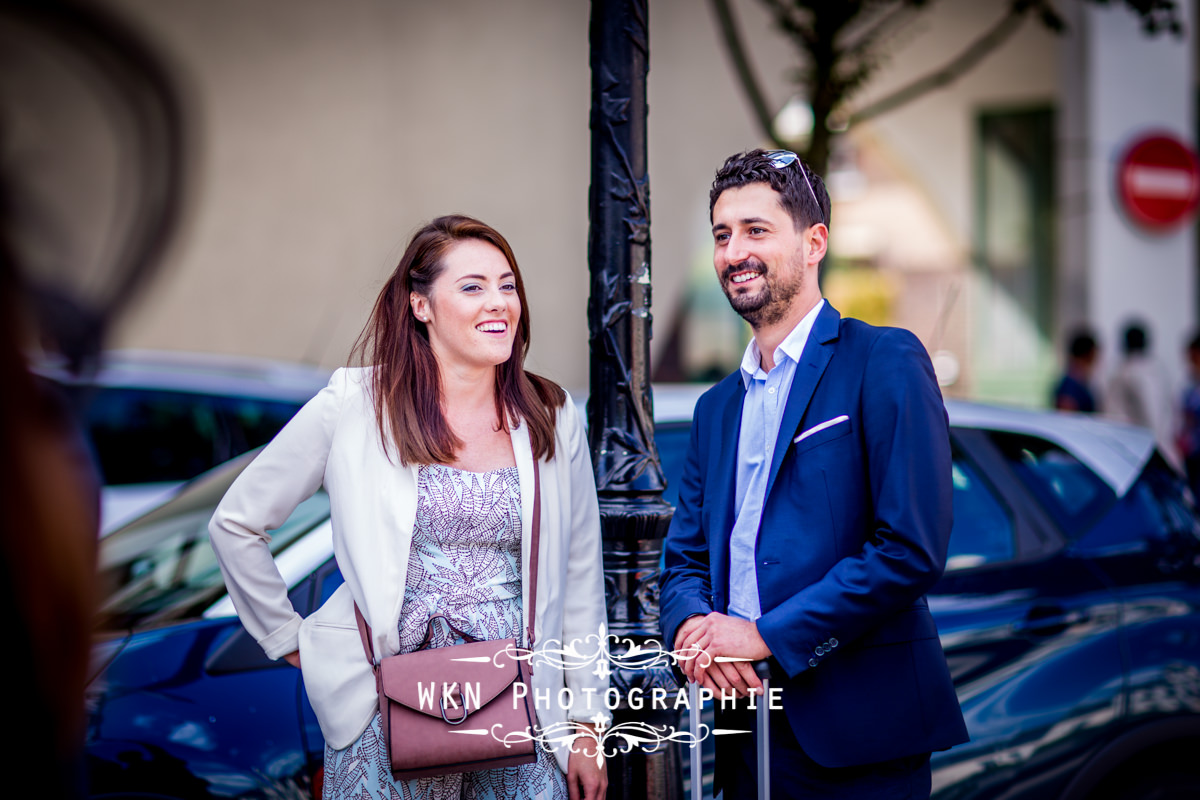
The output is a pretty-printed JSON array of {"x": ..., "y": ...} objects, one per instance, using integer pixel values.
[{"x": 762, "y": 408}]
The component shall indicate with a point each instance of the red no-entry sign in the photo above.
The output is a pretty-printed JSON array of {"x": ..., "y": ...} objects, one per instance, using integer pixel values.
[{"x": 1158, "y": 181}]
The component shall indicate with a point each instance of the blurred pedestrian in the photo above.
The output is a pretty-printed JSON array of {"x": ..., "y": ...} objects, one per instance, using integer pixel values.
[
  {"x": 1074, "y": 390},
  {"x": 1138, "y": 391},
  {"x": 51, "y": 500},
  {"x": 1189, "y": 433},
  {"x": 79, "y": 76}
]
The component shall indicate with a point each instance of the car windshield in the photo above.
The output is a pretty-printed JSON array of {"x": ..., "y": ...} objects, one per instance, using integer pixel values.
[
  {"x": 156, "y": 435},
  {"x": 162, "y": 567}
]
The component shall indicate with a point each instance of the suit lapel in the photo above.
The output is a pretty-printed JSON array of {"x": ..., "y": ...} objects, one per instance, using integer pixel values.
[
  {"x": 728, "y": 419},
  {"x": 523, "y": 452},
  {"x": 818, "y": 350},
  {"x": 394, "y": 488}
]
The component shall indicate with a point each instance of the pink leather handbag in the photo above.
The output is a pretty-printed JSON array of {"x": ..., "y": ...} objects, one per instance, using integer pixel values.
[{"x": 452, "y": 709}]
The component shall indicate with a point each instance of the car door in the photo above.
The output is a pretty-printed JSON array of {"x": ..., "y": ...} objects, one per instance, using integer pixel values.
[
  {"x": 1147, "y": 547},
  {"x": 1030, "y": 629}
]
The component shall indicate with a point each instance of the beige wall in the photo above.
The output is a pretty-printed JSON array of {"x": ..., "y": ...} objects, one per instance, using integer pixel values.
[
  {"x": 328, "y": 131},
  {"x": 921, "y": 162},
  {"x": 933, "y": 136}
]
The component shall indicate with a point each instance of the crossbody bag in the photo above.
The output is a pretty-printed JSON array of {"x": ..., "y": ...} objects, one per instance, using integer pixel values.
[{"x": 457, "y": 708}]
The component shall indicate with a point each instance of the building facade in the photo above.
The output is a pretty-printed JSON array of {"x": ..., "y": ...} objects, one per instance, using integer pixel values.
[{"x": 982, "y": 215}]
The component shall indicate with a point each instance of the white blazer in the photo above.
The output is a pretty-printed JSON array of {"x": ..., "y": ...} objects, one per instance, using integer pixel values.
[{"x": 334, "y": 440}]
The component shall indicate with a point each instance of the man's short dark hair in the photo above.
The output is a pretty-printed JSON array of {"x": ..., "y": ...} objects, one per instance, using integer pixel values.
[
  {"x": 755, "y": 166},
  {"x": 1082, "y": 344},
  {"x": 1136, "y": 340}
]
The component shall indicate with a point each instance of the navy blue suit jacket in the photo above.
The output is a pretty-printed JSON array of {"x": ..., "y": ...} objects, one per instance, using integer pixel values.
[{"x": 854, "y": 531}]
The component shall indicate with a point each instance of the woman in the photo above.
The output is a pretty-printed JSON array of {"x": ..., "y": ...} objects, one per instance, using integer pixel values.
[{"x": 428, "y": 456}]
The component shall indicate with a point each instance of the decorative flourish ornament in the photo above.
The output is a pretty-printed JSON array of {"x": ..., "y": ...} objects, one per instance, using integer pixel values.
[
  {"x": 600, "y": 656},
  {"x": 596, "y": 653}
]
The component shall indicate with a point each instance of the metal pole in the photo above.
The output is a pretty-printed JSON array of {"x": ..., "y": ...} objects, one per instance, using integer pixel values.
[
  {"x": 763, "y": 711},
  {"x": 629, "y": 477}
]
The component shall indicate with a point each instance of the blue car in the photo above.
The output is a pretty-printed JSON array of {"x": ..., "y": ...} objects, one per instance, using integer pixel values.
[{"x": 1069, "y": 612}]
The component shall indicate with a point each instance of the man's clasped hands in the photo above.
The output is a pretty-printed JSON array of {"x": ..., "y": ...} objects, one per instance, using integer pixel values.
[{"x": 714, "y": 636}]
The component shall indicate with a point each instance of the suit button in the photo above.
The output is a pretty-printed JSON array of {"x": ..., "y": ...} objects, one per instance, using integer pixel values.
[
  {"x": 832, "y": 642},
  {"x": 812, "y": 662}
]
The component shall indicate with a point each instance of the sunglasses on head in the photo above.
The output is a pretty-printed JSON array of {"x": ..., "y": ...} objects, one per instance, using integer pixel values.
[{"x": 781, "y": 159}]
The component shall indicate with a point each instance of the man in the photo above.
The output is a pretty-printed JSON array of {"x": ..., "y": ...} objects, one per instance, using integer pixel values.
[
  {"x": 1189, "y": 433},
  {"x": 1074, "y": 390},
  {"x": 1138, "y": 392},
  {"x": 814, "y": 513}
]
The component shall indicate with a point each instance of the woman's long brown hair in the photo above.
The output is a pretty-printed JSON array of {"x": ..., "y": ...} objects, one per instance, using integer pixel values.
[{"x": 406, "y": 386}]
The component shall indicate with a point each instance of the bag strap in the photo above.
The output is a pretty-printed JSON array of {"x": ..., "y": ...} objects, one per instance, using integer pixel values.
[
  {"x": 429, "y": 631},
  {"x": 364, "y": 630},
  {"x": 533, "y": 554}
]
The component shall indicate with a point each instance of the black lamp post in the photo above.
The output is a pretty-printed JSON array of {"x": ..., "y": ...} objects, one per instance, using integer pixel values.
[{"x": 629, "y": 478}]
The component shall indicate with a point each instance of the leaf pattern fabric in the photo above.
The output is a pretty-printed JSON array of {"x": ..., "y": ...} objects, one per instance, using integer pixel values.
[{"x": 465, "y": 563}]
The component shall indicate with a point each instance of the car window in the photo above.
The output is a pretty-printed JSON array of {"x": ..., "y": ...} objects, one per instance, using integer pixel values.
[
  {"x": 672, "y": 440},
  {"x": 983, "y": 530},
  {"x": 1175, "y": 500},
  {"x": 1072, "y": 494},
  {"x": 148, "y": 436},
  {"x": 159, "y": 436},
  {"x": 1153, "y": 508},
  {"x": 252, "y": 423},
  {"x": 1133, "y": 519}
]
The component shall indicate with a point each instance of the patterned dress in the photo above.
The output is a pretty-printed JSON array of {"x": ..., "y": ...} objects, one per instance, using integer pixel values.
[{"x": 465, "y": 563}]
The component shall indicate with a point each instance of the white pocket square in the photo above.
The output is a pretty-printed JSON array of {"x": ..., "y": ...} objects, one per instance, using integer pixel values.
[{"x": 829, "y": 423}]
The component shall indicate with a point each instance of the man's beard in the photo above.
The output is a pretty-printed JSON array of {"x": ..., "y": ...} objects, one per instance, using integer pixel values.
[{"x": 772, "y": 303}]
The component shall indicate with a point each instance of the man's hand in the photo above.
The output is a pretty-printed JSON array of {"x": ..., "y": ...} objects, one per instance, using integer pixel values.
[
  {"x": 722, "y": 635},
  {"x": 293, "y": 658},
  {"x": 586, "y": 780},
  {"x": 690, "y": 665}
]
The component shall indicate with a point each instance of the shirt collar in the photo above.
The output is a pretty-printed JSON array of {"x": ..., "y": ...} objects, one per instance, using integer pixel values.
[{"x": 791, "y": 347}]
